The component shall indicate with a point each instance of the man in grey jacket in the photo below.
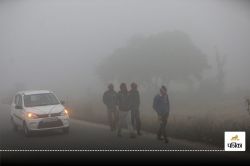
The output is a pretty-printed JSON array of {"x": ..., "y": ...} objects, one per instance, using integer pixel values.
[
  {"x": 110, "y": 100},
  {"x": 123, "y": 103}
]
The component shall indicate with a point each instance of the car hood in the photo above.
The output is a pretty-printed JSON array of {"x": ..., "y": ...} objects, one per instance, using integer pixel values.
[{"x": 46, "y": 109}]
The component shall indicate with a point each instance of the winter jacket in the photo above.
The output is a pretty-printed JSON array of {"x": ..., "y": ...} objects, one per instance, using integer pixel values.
[
  {"x": 110, "y": 99},
  {"x": 161, "y": 104},
  {"x": 123, "y": 101},
  {"x": 134, "y": 98}
]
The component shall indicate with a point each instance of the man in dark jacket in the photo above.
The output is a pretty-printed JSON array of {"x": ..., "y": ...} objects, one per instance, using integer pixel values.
[
  {"x": 123, "y": 103},
  {"x": 161, "y": 106},
  {"x": 134, "y": 106},
  {"x": 110, "y": 100}
]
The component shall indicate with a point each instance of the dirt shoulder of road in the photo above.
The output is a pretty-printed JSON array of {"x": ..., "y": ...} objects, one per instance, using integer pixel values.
[{"x": 181, "y": 142}]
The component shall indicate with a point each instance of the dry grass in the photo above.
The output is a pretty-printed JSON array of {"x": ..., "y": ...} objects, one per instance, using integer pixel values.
[{"x": 198, "y": 121}]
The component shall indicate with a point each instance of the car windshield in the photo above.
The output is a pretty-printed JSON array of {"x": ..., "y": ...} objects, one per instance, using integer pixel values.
[{"x": 40, "y": 100}]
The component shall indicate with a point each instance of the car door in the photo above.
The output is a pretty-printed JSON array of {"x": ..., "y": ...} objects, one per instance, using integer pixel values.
[
  {"x": 18, "y": 113},
  {"x": 13, "y": 109}
]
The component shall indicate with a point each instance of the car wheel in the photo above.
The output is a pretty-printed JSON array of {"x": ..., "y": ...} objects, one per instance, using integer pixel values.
[
  {"x": 66, "y": 130},
  {"x": 15, "y": 128},
  {"x": 27, "y": 132}
]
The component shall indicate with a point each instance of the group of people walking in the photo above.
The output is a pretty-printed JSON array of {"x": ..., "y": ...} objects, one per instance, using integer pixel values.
[{"x": 123, "y": 106}]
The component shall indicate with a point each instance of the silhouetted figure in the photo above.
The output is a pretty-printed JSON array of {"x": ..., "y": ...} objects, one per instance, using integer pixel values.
[
  {"x": 134, "y": 106},
  {"x": 248, "y": 105},
  {"x": 124, "y": 110},
  {"x": 110, "y": 100},
  {"x": 161, "y": 106}
]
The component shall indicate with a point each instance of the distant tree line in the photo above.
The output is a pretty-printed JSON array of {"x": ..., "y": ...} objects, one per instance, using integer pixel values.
[{"x": 164, "y": 57}]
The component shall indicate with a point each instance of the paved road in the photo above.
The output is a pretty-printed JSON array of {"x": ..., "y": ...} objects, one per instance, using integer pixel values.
[
  {"x": 89, "y": 136},
  {"x": 83, "y": 135}
]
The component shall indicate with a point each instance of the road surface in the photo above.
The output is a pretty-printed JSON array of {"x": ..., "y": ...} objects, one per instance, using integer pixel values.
[
  {"x": 83, "y": 136},
  {"x": 90, "y": 136}
]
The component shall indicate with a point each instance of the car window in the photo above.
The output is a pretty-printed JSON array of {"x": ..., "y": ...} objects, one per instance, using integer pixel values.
[
  {"x": 40, "y": 100},
  {"x": 20, "y": 101},
  {"x": 16, "y": 99}
]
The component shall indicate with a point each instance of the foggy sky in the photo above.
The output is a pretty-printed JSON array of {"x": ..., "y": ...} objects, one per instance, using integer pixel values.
[{"x": 59, "y": 43}]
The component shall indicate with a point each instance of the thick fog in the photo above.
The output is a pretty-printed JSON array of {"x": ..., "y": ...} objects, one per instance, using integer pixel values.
[
  {"x": 59, "y": 44},
  {"x": 199, "y": 49}
]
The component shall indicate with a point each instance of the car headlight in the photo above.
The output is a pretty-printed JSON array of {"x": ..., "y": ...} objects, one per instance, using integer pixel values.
[
  {"x": 64, "y": 113},
  {"x": 31, "y": 115}
]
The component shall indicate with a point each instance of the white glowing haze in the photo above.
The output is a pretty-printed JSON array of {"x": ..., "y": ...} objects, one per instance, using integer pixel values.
[{"x": 57, "y": 44}]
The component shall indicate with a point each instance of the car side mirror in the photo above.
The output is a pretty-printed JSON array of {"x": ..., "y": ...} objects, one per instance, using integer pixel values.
[
  {"x": 18, "y": 107},
  {"x": 62, "y": 102}
]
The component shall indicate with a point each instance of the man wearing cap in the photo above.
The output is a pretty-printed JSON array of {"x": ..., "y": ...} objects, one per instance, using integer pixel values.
[
  {"x": 161, "y": 106},
  {"x": 110, "y": 100}
]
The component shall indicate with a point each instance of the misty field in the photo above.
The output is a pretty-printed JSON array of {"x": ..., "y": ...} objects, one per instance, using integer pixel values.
[{"x": 194, "y": 120}]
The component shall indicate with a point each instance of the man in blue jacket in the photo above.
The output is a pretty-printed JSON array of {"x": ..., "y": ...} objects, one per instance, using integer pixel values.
[{"x": 161, "y": 106}]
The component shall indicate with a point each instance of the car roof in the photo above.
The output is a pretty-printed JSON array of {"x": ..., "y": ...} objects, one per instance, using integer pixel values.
[{"x": 32, "y": 92}]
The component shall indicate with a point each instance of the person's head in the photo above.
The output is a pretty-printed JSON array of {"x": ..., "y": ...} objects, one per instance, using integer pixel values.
[
  {"x": 123, "y": 87},
  {"x": 133, "y": 86},
  {"x": 110, "y": 87},
  {"x": 163, "y": 90}
]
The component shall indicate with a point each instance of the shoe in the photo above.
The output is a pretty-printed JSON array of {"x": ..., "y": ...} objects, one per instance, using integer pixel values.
[
  {"x": 159, "y": 138},
  {"x": 166, "y": 140},
  {"x": 132, "y": 136},
  {"x": 139, "y": 133},
  {"x": 119, "y": 135}
]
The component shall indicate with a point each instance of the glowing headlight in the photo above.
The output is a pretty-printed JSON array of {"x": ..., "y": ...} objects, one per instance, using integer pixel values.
[
  {"x": 64, "y": 112},
  {"x": 31, "y": 115}
]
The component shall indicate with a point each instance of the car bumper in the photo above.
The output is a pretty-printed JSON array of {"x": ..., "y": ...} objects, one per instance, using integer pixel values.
[{"x": 41, "y": 124}]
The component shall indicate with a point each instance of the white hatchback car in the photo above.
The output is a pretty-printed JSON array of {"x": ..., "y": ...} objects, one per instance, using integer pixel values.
[{"x": 37, "y": 111}]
